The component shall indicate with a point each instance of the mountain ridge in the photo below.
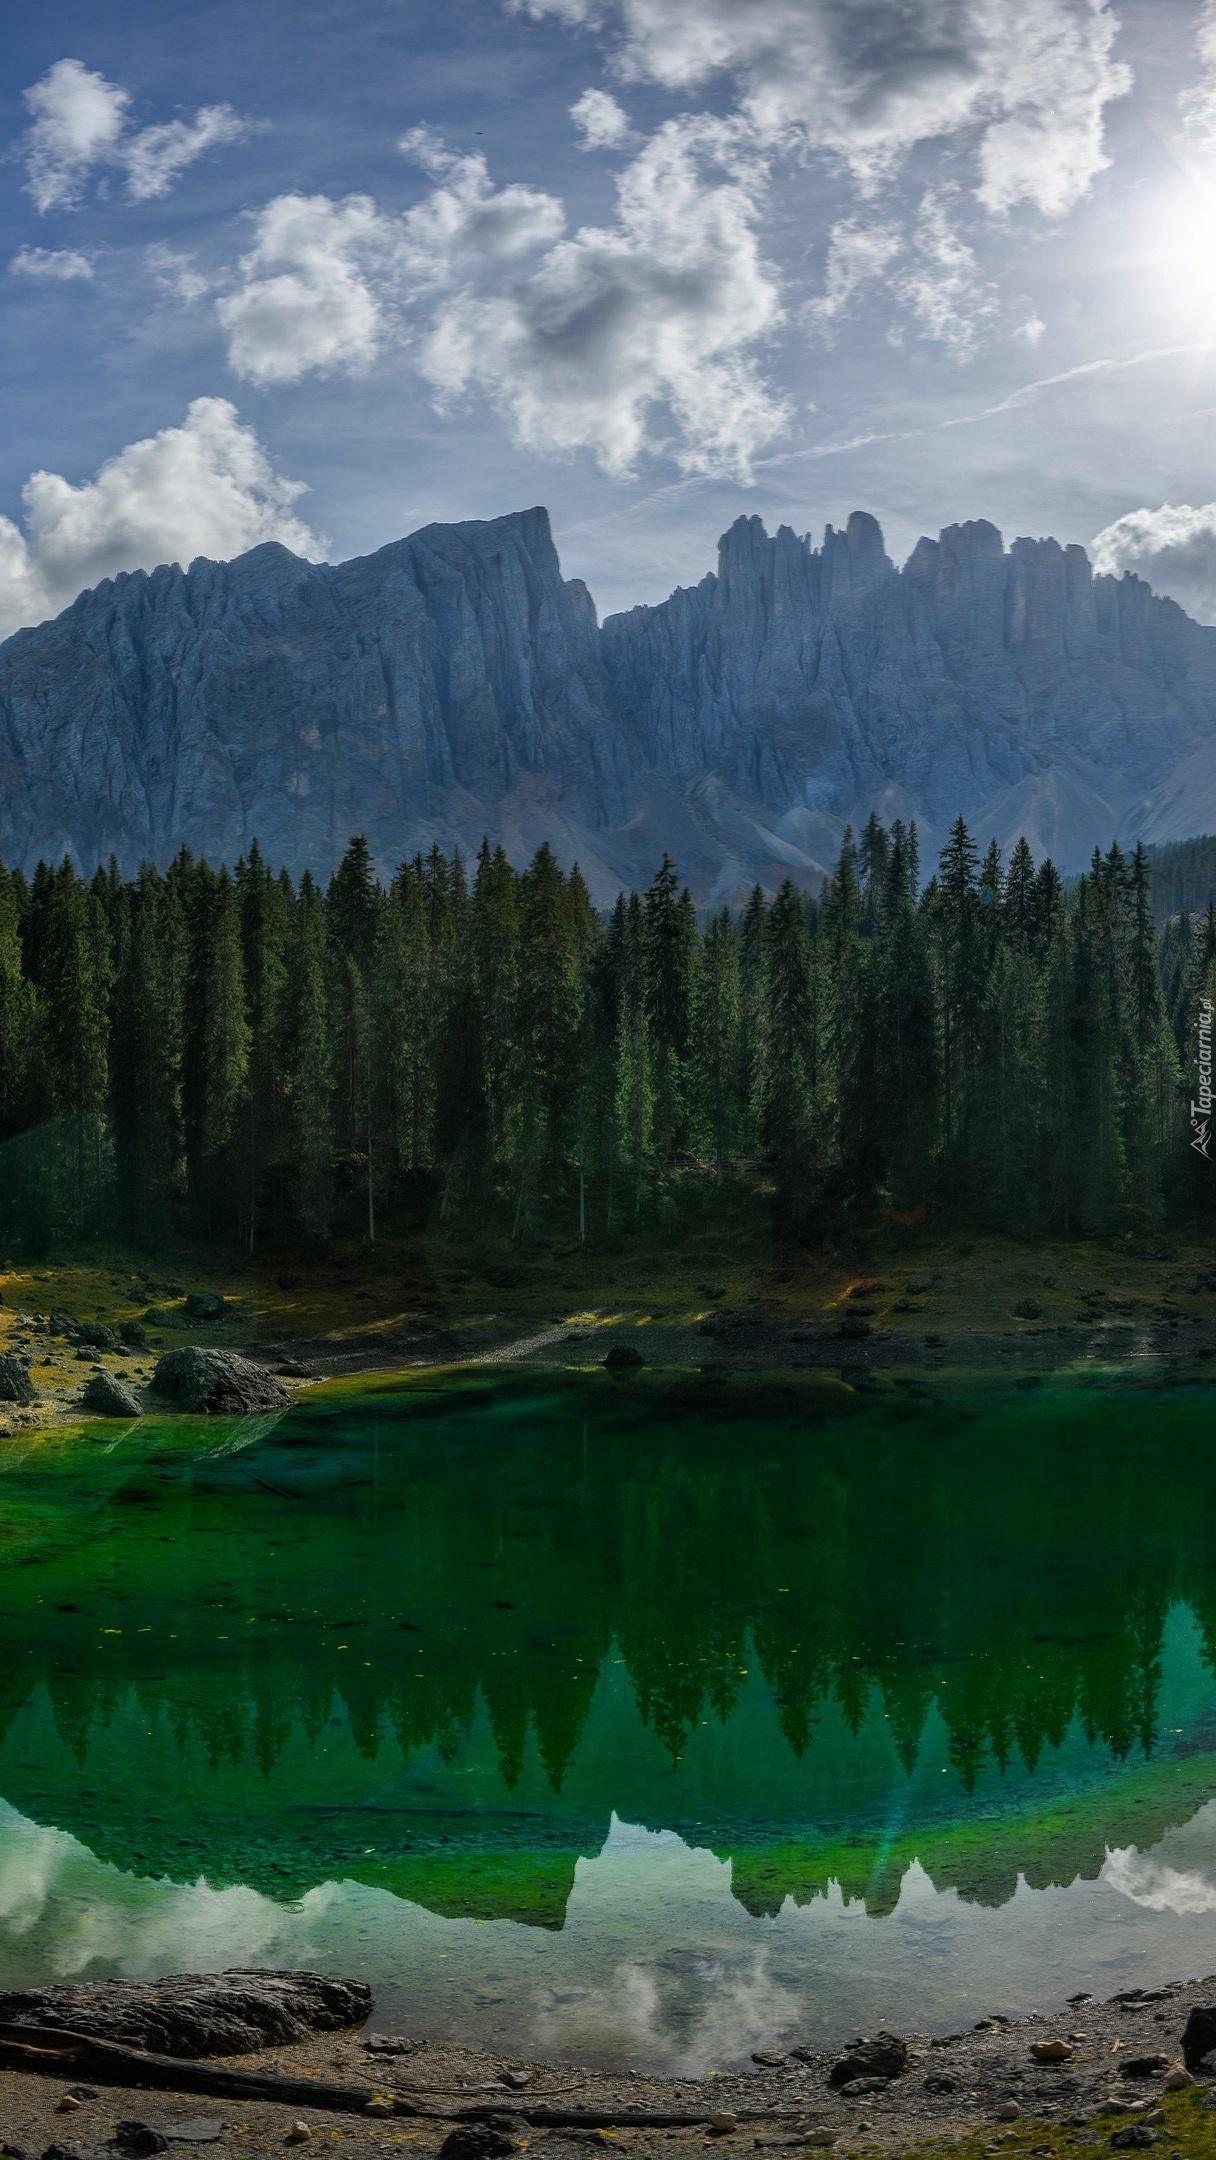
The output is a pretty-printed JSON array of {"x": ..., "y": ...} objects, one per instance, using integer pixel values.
[{"x": 454, "y": 683}]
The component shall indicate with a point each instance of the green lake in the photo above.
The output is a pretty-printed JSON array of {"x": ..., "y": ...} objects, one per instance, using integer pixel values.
[{"x": 641, "y": 1721}]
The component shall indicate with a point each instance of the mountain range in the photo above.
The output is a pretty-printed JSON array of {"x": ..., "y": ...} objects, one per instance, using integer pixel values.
[{"x": 454, "y": 684}]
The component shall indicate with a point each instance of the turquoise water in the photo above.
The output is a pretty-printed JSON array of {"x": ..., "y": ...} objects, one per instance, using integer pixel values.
[{"x": 643, "y": 1722}]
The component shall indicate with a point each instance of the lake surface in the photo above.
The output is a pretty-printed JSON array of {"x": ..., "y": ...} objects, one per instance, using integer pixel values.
[{"x": 641, "y": 1722}]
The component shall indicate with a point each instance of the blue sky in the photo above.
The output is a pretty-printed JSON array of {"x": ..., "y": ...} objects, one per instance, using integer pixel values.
[{"x": 328, "y": 273}]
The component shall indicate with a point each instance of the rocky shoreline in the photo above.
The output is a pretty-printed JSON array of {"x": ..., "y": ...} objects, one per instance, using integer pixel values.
[{"x": 1094, "y": 2074}]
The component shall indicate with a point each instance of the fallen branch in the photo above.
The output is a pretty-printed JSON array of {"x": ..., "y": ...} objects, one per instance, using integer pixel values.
[{"x": 46, "y": 2048}]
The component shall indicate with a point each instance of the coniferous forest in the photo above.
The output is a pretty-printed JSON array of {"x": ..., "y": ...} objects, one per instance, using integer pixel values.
[{"x": 231, "y": 1055}]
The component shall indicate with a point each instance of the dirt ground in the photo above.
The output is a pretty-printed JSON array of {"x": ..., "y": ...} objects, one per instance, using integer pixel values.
[
  {"x": 983, "y": 1303},
  {"x": 954, "y": 2090}
]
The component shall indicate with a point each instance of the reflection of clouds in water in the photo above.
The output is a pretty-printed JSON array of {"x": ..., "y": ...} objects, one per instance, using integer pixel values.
[
  {"x": 703, "y": 2005},
  {"x": 658, "y": 1965},
  {"x": 1176, "y": 1876}
]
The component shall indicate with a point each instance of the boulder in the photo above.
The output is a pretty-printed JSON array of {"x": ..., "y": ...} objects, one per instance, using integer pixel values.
[
  {"x": 134, "y": 1334},
  {"x": 884, "y": 2056},
  {"x": 95, "y": 1335},
  {"x": 1028, "y": 1308},
  {"x": 623, "y": 1357},
  {"x": 218, "y": 1381},
  {"x": 854, "y": 1328},
  {"x": 205, "y": 1305},
  {"x": 195, "y": 2014},
  {"x": 1199, "y": 2034},
  {"x": 111, "y": 1397},
  {"x": 15, "y": 1383}
]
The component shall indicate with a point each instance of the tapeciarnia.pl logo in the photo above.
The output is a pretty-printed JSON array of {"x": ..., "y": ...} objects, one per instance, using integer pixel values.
[{"x": 1201, "y": 1111}]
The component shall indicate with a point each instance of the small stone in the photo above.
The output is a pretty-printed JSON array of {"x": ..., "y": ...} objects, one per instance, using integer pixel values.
[
  {"x": 134, "y": 1334},
  {"x": 1009, "y": 2112},
  {"x": 940, "y": 2083},
  {"x": 69, "y": 2105},
  {"x": 883, "y": 2057},
  {"x": 516, "y": 2079},
  {"x": 298, "y": 2134},
  {"x": 139, "y": 2138},
  {"x": 857, "y": 2088},
  {"x": 854, "y": 1329},
  {"x": 821, "y": 2136},
  {"x": 1049, "y": 2051},
  {"x": 1156, "y": 2116},
  {"x": 1134, "y": 2138},
  {"x": 1177, "y": 2079},
  {"x": 377, "y": 2105},
  {"x": 766, "y": 2059},
  {"x": 723, "y": 2124},
  {"x": 919, "y": 1283},
  {"x": 1028, "y": 1308}
]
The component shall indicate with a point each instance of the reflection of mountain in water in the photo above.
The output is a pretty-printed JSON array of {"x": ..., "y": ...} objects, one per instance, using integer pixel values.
[{"x": 433, "y": 1639}]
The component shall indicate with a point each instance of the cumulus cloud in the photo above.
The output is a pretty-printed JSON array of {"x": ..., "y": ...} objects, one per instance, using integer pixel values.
[
  {"x": 1173, "y": 548},
  {"x": 61, "y": 264},
  {"x": 579, "y": 341},
  {"x": 655, "y": 312},
  {"x": 204, "y": 488},
  {"x": 602, "y": 123},
  {"x": 309, "y": 297},
  {"x": 78, "y": 119},
  {"x": 79, "y": 127},
  {"x": 866, "y": 84},
  {"x": 467, "y": 227}
]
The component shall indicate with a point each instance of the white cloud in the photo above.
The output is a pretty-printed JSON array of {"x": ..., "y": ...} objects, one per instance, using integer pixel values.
[
  {"x": 156, "y": 156},
  {"x": 78, "y": 119},
  {"x": 654, "y": 312},
  {"x": 858, "y": 254},
  {"x": 946, "y": 295},
  {"x": 578, "y": 341},
  {"x": 865, "y": 83},
  {"x": 1173, "y": 548},
  {"x": 204, "y": 488},
  {"x": 51, "y": 263},
  {"x": 1198, "y": 102},
  {"x": 467, "y": 227},
  {"x": 175, "y": 274},
  {"x": 603, "y": 124},
  {"x": 310, "y": 297},
  {"x": 80, "y": 126}
]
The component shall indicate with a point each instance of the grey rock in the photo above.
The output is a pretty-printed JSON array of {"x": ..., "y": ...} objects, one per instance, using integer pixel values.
[
  {"x": 623, "y": 1357},
  {"x": 111, "y": 1397},
  {"x": 195, "y": 2014},
  {"x": 1028, "y": 1308},
  {"x": 883, "y": 2056},
  {"x": 218, "y": 1381},
  {"x": 15, "y": 1383},
  {"x": 854, "y": 1328},
  {"x": 138, "y": 2138},
  {"x": 134, "y": 1334},
  {"x": 857, "y": 2087},
  {"x": 455, "y": 683},
  {"x": 1134, "y": 2138},
  {"x": 205, "y": 1305},
  {"x": 95, "y": 1335},
  {"x": 1199, "y": 2034}
]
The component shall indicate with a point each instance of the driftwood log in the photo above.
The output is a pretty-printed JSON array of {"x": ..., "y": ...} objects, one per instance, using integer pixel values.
[{"x": 60, "y": 2054}]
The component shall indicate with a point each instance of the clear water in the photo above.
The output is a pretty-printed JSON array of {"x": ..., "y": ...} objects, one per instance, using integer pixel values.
[{"x": 643, "y": 1722}]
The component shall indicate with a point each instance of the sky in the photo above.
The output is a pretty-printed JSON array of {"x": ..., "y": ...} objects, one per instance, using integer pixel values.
[{"x": 327, "y": 273}]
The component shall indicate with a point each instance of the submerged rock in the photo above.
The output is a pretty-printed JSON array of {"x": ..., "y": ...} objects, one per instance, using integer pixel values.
[
  {"x": 15, "y": 1383},
  {"x": 218, "y": 1381},
  {"x": 194, "y": 2014},
  {"x": 111, "y": 1397}
]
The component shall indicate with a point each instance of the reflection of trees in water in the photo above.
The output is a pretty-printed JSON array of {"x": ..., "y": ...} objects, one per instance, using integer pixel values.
[{"x": 1013, "y": 1565}]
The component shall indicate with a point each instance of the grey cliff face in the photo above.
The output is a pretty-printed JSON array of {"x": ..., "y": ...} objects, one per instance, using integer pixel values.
[{"x": 453, "y": 684}]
